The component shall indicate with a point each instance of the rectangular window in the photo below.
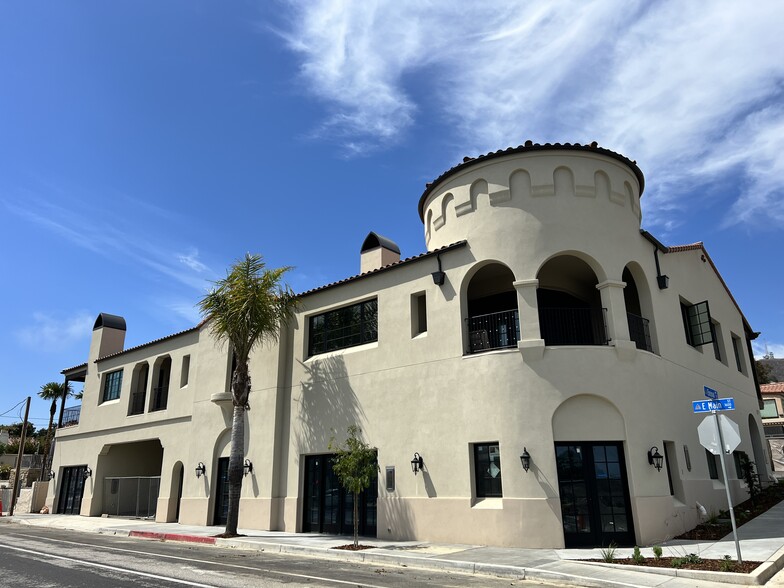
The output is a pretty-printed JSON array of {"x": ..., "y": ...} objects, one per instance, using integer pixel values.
[
  {"x": 771, "y": 411},
  {"x": 738, "y": 354},
  {"x": 718, "y": 347},
  {"x": 487, "y": 468},
  {"x": 112, "y": 385},
  {"x": 713, "y": 470},
  {"x": 739, "y": 457},
  {"x": 185, "y": 371},
  {"x": 697, "y": 323},
  {"x": 418, "y": 314},
  {"x": 344, "y": 327}
]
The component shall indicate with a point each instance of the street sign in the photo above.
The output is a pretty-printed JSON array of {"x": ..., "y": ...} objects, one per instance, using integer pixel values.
[
  {"x": 710, "y": 405},
  {"x": 710, "y": 393},
  {"x": 709, "y": 436}
]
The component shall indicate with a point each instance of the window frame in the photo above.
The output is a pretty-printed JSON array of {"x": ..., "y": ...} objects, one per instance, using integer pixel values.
[
  {"x": 113, "y": 380},
  {"x": 367, "y": 327},
  {"x": 697, "y": 323},
  {"x": 713, "y": 468},
  {"x": 767, "y": 402},
  {"x": 483, "y": 484}
]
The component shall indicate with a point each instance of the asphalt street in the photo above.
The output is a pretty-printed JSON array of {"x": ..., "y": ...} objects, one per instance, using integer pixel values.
[{"x": 41, "y": 558}]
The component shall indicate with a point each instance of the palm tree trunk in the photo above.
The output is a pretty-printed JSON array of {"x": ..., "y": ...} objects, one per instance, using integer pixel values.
[{"x": 235, "y": 470}]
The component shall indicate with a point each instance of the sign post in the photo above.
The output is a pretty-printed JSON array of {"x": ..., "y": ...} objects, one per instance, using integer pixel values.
[{"x": 709, "y": 429}]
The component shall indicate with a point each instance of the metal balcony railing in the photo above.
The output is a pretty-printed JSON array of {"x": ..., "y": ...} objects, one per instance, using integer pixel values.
[
  {"x": 137, "y": 403},
  {"x": 573, "y": 326},
  {"x": 639, "y": 331},
  {"x": 71, "y": 416},
  {"x": 160, "y": 397},
  {"x": 497, "y": 330}
]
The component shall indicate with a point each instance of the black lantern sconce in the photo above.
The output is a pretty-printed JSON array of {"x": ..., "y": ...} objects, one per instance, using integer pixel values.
[
  {"x": 88, "y": 473},
  {"x": 247, "y": 467},
  {"x": 525, "y": 459},
  {"x": 655, "y": 458},
  {"x": 440, "y": 275},
  {"x": 417, "y": 463},
  {"x": 201, "y": 469}
]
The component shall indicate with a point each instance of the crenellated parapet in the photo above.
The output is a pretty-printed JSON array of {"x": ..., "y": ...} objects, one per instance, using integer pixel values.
[{"x": 554, "y": 184}]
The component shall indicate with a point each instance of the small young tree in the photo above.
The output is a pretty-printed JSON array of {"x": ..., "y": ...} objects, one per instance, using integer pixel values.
[
  {"x": 749, "y": 471},
  {"x": 355, "y": 465}
]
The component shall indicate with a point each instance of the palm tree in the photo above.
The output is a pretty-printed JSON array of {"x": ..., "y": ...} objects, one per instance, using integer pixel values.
[
  {"x": 52, "y": 391},
  {"x": 245, "y": 309}
]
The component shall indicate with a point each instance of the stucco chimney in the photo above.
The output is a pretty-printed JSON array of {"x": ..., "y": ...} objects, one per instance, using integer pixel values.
[
  {"x": 376, "y": 252},
  {"x": 108, "y": 336}
]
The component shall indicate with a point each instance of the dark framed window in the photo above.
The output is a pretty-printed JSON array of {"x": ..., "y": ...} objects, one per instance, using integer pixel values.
[
  {"x": 739, "y": 457},
  {"x": 716, "y": 343},
  {"x": 697, "y": 323},
  {"x": 487, "y": 468},
  {"x": 112, "y": 385},
  {"x": 736, "y": 349},
  {"x": 344, "y": 327},
  {"x": 713, "y": 470}
]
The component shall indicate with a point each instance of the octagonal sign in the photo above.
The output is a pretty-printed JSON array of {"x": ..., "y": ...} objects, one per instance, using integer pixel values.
[{"x": 709, "y": 436}]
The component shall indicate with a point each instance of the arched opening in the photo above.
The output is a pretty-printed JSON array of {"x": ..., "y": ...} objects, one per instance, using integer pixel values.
[
  {"x": 138, "y": 388},
  {"x": 570, "y": 308},
  {"x": 493, "y": 321},
  {"x": 160, "y": 378},
  {"x": 637, "y": 317},
  {"x": 175, "y": 491}
]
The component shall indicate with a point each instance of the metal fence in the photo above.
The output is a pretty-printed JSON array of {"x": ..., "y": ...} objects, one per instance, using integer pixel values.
[
  {"x": 496, "y": 330},
  {"x": 71, "y": 416},
  {"x": 639, "y": 331},
  {"x": 135, "y": 496}
]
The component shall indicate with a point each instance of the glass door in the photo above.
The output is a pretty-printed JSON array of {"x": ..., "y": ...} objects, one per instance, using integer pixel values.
[
  {"x": 595, "y": 505},
  {"x": 71, "y": 490},
  {"x": 222, "y": 493}
]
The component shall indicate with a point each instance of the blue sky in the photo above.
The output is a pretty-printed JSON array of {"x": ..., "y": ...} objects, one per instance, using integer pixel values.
[{"x": 146, "y": 145}]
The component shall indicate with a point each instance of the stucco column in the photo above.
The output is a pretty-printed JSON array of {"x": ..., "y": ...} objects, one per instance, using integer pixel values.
[
  {"x": 531, "y": 344},
  {"x": 617, "y": 323}
]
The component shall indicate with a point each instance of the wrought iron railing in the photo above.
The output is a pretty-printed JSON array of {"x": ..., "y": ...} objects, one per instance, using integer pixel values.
[
  {"x": 137, "y": 403},
  {"x": 71, "y": 416},
  {"x": 573, "y": 326},
  {"x": 496, "y": 330},
  {"x": 160, "y": 397},
  {"x": 639, "y": 331}
]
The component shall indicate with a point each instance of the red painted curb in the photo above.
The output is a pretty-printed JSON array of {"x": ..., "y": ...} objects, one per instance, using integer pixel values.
[{"x": 173, "y": 537}]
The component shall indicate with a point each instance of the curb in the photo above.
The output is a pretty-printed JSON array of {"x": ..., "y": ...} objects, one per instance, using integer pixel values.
[{"x": 173, "y": 537}]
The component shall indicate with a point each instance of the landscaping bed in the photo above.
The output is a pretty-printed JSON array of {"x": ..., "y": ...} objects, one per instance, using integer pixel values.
[{"x": 689, "y": 563}]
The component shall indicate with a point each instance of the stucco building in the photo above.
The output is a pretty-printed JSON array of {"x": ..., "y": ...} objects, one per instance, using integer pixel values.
[{"x": 541, "y": 322}]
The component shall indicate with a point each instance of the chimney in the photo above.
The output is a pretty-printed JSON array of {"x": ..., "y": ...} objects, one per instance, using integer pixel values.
[
  {"x": 108, "y": 336},
  {"x": 376, "y": 252}
]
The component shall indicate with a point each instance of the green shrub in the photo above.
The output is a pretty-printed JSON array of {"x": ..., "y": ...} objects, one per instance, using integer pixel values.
[
  {"x": 677, "y": 562},
  {"x": 637, "y": 556},
  {"x": 608, "y": 553},
  {"x": 5, "y": 471},
  {"x": 727, "y": 565},
  {"x": 657, "y": 551},
  {"x": 693, "y": 558}
]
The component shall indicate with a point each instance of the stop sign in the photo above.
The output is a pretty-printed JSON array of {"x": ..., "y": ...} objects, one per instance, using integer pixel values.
[{"x": 709, "y": 435}]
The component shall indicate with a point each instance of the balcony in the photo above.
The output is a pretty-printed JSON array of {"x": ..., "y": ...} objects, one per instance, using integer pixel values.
[
  {"x": 71, "y": 416},
  {"x": 496, "y": 330},
  {"x": 574, "y": 326},
  {"x": 160, "y": 397},
  {"x": 640, "y": 332}
]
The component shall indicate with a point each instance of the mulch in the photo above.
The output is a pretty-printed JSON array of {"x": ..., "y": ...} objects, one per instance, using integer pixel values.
[
  {"x": 706, "y": 565},
  {"x": 352, "y": 547}
]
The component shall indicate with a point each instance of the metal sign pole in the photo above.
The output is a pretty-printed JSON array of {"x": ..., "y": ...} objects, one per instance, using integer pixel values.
[{"x": 727, "y": 485}]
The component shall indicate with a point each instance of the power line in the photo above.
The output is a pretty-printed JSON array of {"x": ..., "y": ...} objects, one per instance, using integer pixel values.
[{"x": 13, "y": 407}]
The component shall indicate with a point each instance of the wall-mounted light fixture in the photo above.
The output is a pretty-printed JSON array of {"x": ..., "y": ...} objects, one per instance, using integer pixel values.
[
  {"x": 87, "y": 472},
  {"x": 201, "y": 469},
  {"x": 439, "y": 276},
  {"x": 247, "y": 467},
  {"x": 655, "y": 458},
  {"x": 417, "y": 463},
  {"x": 525, "y": 459}
]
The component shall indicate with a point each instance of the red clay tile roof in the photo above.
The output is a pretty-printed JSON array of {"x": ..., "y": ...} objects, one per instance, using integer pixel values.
[
  {"x": 167, "y": 337},
  {"x": 529, "y": 146},
  {"x": 773, "y": 387},
  {"x": 74, "y": 368}
]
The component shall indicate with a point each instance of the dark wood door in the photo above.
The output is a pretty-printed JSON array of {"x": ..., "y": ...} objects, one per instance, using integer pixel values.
[
  {"x": 71, "y": 490},
  {"x": 594, "y": 491},
  {"x": 329, "y": 508},
  {"x": 222, "y": 492}
]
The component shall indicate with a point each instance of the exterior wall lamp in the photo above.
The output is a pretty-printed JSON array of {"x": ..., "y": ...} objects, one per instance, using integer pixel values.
[
  {"x": 201, "y": 469},
  {"x": 87, "y": 473},
  {"x": 247, "y": 467},
  {"x": 417, "y": 463},
  {"x": 525, "y": 459},
  {"x": 655, "y": 458},
  {"x": 51, "y": 474},
  {"x": 440, "y": 275}
]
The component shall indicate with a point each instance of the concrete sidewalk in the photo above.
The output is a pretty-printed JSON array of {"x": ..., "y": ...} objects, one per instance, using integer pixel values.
[{"x": 762, "y": 539}]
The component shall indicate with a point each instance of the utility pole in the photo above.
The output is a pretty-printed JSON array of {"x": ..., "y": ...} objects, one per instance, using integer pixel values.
[{"x": 19, "y": 458}]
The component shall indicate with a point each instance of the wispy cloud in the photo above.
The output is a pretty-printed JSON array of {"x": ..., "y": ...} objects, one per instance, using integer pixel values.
[
  {"x": 685, "y": 88},
  {"x": 122, "y": 242},
  {"x": 763, "y": 347},
  {"x": 48, "y": 333}
]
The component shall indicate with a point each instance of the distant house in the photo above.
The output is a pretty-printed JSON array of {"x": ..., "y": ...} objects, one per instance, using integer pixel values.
[
  {"x": 773, "y": 421},
  {"x": 541, "y": 357}
]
